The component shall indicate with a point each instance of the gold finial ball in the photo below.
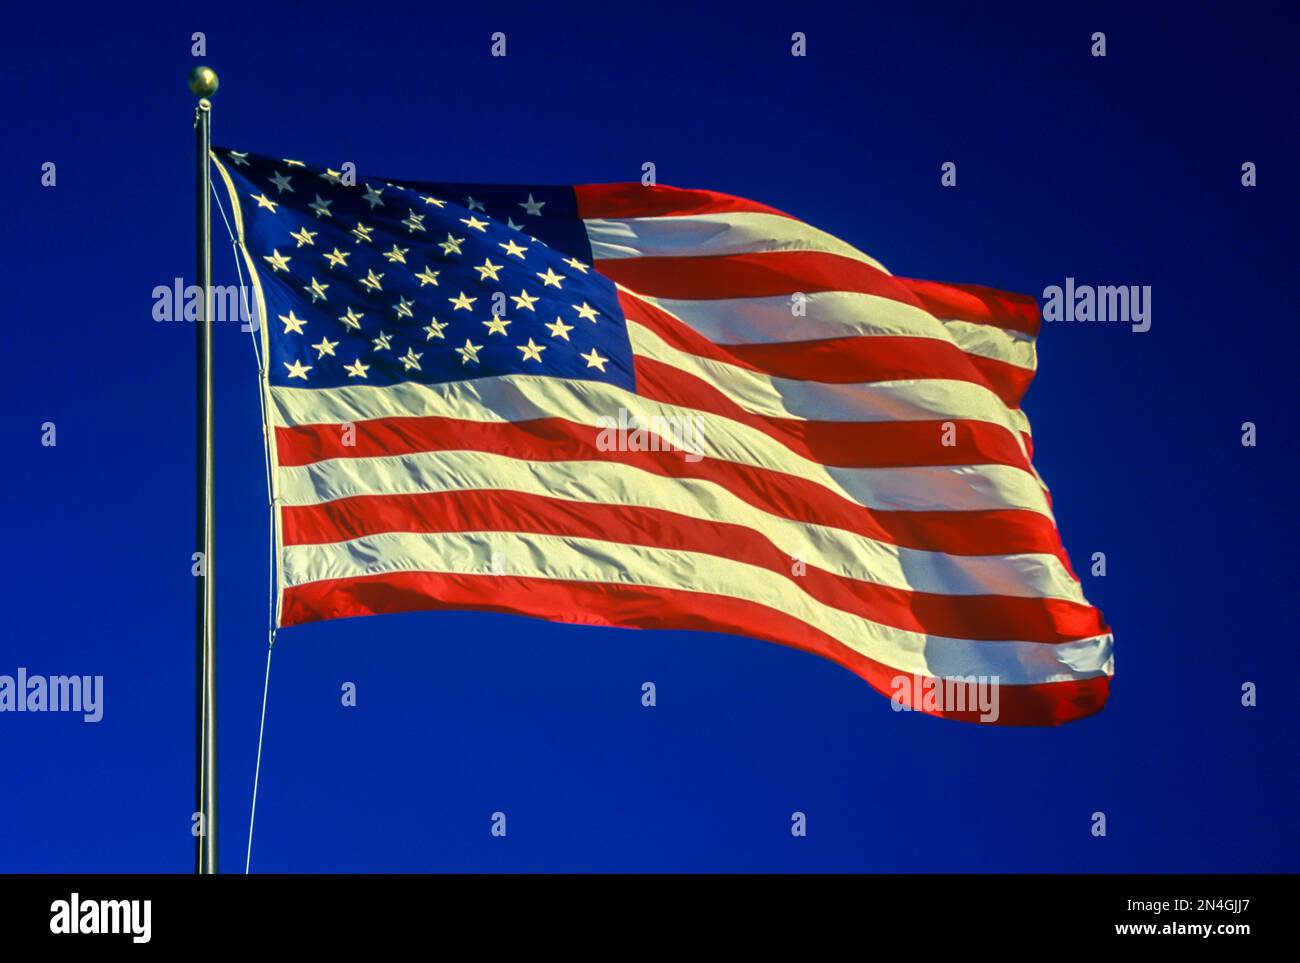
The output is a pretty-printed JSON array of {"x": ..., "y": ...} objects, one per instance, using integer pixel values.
[{"x": 203, "y": 81}]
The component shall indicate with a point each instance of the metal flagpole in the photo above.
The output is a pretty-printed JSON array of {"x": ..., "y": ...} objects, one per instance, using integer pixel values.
[{"x": 203, "y": 84}]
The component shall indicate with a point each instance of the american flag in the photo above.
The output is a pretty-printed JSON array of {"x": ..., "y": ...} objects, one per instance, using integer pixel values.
[{"x": 641, "y": 406}]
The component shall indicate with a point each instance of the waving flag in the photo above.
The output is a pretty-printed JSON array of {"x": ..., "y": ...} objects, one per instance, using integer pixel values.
[{"x": 650, "y": 407}]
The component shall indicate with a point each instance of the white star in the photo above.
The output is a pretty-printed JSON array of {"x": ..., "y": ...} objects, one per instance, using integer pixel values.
[
  {"x": 324, "y": 347},
  {"x": 293, "y": 163},
  {"x": 414, "y": 222},
  {"x": 510, "y": 223},
  {"x": 435, "y": 329},
  {"x": 586, "y": 311},
  {"x": 292, "y": 323},
  {"x": 559, "y": 329},
  {"x": 531, "y": 206},
  {"x": 524, "y": 300},
  {"x": 551, "y": 279},
  {"x": 462, "y": 303},
  {"x": 362, "y": 233},
  {"x": 372, "y": 197},
  {"x": 577, "y": 265},
  {"x": 411, "y": 359},
  {"x": 403, "y": 307},
  {"x": 298, "y": 369},
  {"x": 475, "y": 223},
  {"x": 321, "y": 206},
  {"x": 239, "y": 158},
  {"x": 497, "y": 325},
  {"x": 397, "y": 255},
  {"x": 281, "y": 182},
  {"x": 451, "y": 245},
  {"x": 532, "y": 352},
  {"x": 304, "y": 236},
  {"x": 594, "y": 360},
  {"x": 512, "y": 248},
  {"x": 333, "y": 176},
  {"x": 469, "y": 352},
  {"x": 383, "y": 342},
  {"x": 264, "y": 201},
  {"x": 338, "y": 258},
  {"x": 278, "y": 261},
  {"x": 351, "y": 319},
  {"x": 433, "y": 200},
  {"x": 474, "y": 205},
  {"x": 487, "y": 270},
  {"x": 428, "y": 276},
  {"x": 371, "y": 280},
  {"x": 316, "y": 290},
  {"x": 356, "y": 370}
]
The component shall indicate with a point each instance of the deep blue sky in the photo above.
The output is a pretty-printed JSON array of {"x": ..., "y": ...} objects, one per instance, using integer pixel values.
[{"x": 1123, "y": 170}]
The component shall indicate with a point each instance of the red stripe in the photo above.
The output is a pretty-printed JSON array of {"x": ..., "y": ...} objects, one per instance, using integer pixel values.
[
  {"x": 977, "y": 304},
  {"x": 883, "y": 358},
  {"x": 993, "y": 532},
  {"x": 633, "y": 606},
  {"x": 784, "y": 272},
  {"x": 637, "y": 200},
  {"x": 843, "y": 444},
  {"x": 990, "y": 618},
  {"x": 847, "y": 360},
  {"x": 757, "y": 275}
]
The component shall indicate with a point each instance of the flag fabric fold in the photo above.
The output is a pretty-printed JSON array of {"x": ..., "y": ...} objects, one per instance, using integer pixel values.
[{"x": 651, "y": 407}]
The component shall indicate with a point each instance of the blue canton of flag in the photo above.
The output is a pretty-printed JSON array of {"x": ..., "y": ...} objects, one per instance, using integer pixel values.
[{"x": 385, "y": 282}]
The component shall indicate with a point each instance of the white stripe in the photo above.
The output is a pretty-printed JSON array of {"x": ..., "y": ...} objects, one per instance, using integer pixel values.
[
  {"x": 1021, "y": 421},
  {"x": 588, "y": 560},
  {"x": 848, "y": 554},
  {"x": 839, "y": 314},
  {"x": 998, "y": 344},
  {"x": 912, "y": 399},
  {"x": 698, "y": 235},
  {"x": 524, "y": 397}
]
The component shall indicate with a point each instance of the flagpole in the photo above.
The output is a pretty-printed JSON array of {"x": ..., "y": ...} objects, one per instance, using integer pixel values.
[{"x": 203, "y": 84}]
